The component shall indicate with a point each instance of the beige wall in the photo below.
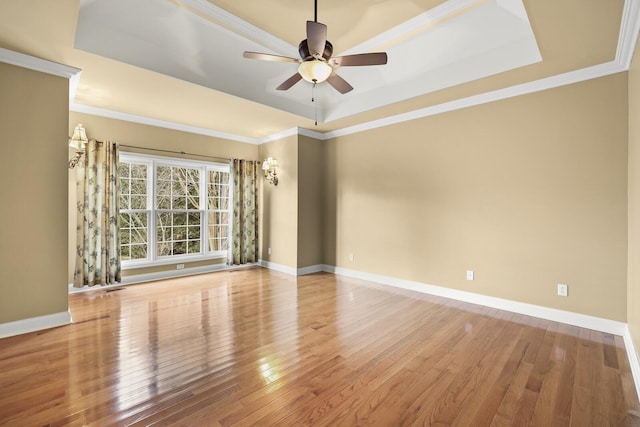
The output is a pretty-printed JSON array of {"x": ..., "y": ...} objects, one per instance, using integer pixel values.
[
  {"x": 311, "y": 161},
  {"x": 330, "y": 203},
  {"x": 291, "y": 213},
  {"x": 633, "y": 281},
  {"x": 34, "y": 110},
  {"x": 128, "y": 133},
  {"x": 528, "y": 192},
  {"x": 279, "y": 205}
]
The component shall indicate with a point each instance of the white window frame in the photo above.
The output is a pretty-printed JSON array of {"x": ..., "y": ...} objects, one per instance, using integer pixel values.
[{"x": 152, "y": 163}]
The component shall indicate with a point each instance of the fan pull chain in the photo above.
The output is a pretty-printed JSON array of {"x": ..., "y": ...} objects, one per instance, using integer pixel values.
[{"x": 313, "y": 99}]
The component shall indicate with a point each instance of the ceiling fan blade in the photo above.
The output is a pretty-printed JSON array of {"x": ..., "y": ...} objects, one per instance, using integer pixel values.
[
  {"x": 316, "y": 38},
  {"x": 377, "y": 58},
  {"x": 268, "y": 57},
  {"x": 290, "y": 82},
  {"x": 339, "y": 83}
]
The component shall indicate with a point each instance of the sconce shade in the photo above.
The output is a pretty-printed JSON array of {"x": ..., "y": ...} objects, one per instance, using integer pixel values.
[
  {"x": 269, "y": 166},
  {"x": 315, "y": 71},
  {"x": 269, "y": 163},
  {"x": 79, "y": 138}
]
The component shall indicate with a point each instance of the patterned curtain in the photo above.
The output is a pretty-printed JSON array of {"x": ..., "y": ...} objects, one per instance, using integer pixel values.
[
  {"x": 97, "y": 225},
  {"x": 244, "y": 242}
]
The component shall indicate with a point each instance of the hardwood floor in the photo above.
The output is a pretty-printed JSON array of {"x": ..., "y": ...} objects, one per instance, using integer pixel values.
[{"x": 253, "y": 346}]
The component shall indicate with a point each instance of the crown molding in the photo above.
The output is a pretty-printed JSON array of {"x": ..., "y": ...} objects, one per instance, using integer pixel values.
[
  {"x": 238, "y": 26},
  {"x": 279, "y": 135},
  {"x": 629, "y": 28},
  {"x": 44, "y": 66},
  {"x": 291, "y": 132},
  {"x": 571, "y": 77},
  {"x": 413, "y": 25},
  {"x": 86, "y": 109},
  {"x": 38, "y": 64},
  {"x": 564, "y": 79},
  {"x": 311, "y": 133}
]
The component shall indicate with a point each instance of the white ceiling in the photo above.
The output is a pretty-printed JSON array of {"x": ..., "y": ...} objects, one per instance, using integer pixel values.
[{"x": 455, "y": 42}]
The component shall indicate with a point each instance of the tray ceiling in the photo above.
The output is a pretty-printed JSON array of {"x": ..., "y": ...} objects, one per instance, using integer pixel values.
[
  {"x": 196, "y": 41},
  {"x": 178, "y": 63}
]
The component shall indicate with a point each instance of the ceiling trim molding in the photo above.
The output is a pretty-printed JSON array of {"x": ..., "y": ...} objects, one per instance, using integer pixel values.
[
  {"x": 298, "y": 131},
  {"x": 44, "y": 66},
  {"x": 596, "y": 71},
  {"x": 413, "y": 25},
  {"x": 311, "y": 133},
  {"x": 38, "y": 64},
  {"x": 564, "y": 79},
  {"x": 629, "y": 29},
  {"x": 279, "y": 135},
  {"x": 238, "y": 25},
  {"x": 86, "y": 109}
]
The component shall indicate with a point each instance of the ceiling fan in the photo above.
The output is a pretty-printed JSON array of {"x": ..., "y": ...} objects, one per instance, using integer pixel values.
[{"x": 316, "y": 63}]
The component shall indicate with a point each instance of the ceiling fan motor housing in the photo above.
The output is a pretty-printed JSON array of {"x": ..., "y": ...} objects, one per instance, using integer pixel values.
[{"x": 303, "y": 49}]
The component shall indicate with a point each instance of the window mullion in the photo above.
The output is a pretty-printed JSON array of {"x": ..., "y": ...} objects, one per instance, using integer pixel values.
[
  {"x": 204, "y": 208},
  {"x": 151, "y": 206}
]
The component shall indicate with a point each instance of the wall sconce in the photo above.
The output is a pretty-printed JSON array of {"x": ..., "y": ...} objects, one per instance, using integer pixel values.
[
  {"x": 269, "y": 167},
  {"x": 78, "y": 141}
]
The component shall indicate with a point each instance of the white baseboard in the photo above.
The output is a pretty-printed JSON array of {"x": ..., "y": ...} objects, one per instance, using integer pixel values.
[
  {"x": 302, "y": 271},
  {"x": 279, "y": 267},
  {"x": 33, "y": 324},
  {"x": 170, "y": 274},
  {"x": 160, "y": 275},
  {"x": 311, "y": 269},
  {"x": 575, "y": 319},
  {"x": 568, "y": 317},
  {"x": 634, "y": 361}
]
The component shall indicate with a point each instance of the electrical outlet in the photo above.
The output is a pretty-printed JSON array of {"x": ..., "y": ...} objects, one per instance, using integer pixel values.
[
  {"x": 469, "y": 274},
  {"x": 179, "y": 266},
  {"x": 351, "y": 257},
  {"x": 563, "y": 290},
  {"x": 269, "y": 251}
]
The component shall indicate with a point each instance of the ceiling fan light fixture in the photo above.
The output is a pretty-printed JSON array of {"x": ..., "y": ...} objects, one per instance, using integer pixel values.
[
  {"x": 317, "y": 64},
  {"x": 315, "y": 71}
]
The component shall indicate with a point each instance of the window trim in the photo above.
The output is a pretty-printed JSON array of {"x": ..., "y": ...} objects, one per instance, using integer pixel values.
[{"x": 152, "y": 161}]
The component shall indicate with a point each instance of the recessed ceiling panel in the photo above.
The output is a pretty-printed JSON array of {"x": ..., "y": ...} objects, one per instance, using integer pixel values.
[
  {"x": 195, "y": 41},
  {"x": 350, "y": 22}
]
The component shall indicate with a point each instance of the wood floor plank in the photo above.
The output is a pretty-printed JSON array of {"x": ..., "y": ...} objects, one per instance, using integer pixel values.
[
  {"x": 581, "y": 408},
  {"x": 630, "y": 397},
  {"x": 495, "y": 395},
  {"x": 565, "y": 353},
  {"x": 257, "y": 347},
  {"x": 541, "y": 365}
]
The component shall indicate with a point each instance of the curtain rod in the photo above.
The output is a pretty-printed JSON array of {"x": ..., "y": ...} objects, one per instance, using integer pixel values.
[{"x": 174, "y": 152}]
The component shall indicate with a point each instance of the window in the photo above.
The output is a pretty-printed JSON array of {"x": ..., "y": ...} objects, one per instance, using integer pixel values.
[
  {"x": 172, "y": 210},
  {"x": 218, "y": 207},
  {"x": 178, "y": 215},
  {"x": 134, "y": 213}
]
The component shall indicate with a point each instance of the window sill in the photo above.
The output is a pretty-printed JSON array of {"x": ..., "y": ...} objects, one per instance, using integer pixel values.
[{"x": 133, "y": 265}]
